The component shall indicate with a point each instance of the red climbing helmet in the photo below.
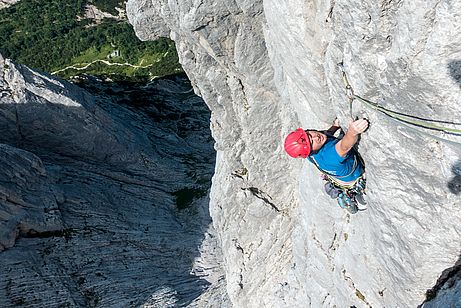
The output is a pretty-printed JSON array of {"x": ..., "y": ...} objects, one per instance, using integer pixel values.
[{"x": 297, "y": 144}]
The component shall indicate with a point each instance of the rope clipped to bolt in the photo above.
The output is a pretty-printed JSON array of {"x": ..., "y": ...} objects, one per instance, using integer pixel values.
[{"x": 405, "y": 118}]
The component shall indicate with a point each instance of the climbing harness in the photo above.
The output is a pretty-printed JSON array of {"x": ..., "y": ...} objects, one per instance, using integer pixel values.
[
  {"x": 405, "y": 118},
  {"x": 347, "y": 203},
  {"x": 347, "y": 194}
]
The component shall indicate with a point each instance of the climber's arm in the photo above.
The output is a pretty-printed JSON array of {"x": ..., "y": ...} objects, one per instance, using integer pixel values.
[{"x": 351, "y": 137}]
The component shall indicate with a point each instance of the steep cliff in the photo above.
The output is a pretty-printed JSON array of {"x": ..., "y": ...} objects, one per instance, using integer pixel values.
[
  {"x": 104, "y": 198},
  {"x": 265, "y": 67}
]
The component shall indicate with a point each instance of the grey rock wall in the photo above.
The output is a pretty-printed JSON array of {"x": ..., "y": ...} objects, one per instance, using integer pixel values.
[
  {"x": 267, "y": 67},
  {"x": 29, "y": 204},
  {"x": 104, "y": 201}
]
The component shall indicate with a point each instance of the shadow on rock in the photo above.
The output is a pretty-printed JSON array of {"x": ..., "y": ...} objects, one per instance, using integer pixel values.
[
  {"x": 447, "y": 290},
  {"x": 117, "y": 163},
  {"x": 454, "y": 185},
  {"x": 454, "y": 67}
]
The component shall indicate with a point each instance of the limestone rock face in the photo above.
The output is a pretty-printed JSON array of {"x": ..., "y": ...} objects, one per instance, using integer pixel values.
[
  {"x": 266, "y": 67},
  {"x": 104, "y": 199},
  {"x": 29, "y": 204},
  {"x": 7, "y": 3}
]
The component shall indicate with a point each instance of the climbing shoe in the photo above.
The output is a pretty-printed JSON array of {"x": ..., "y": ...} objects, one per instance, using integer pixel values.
[
  {"x": 347, "y": 203},
  {"x": 352, "y": 208},
  {"x": 360, "y": 199}
]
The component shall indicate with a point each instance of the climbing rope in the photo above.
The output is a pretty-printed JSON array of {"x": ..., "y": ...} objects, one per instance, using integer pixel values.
[{"x": 408, "y": 119}]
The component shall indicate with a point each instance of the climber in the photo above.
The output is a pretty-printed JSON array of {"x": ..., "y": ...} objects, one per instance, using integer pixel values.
[{"x": 336, "y": 158}]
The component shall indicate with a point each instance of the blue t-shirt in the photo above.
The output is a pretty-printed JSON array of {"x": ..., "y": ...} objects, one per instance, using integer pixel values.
[{"x": 346, "y": 169}]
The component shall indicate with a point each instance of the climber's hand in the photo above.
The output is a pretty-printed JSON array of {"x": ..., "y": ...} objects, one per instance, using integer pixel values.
[{"x": 357, "y": 127}]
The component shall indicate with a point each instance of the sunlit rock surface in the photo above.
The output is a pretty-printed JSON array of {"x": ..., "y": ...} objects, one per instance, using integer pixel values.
[
  {"x": 7, "y": 3},
  {"x": 104, "y": 198},
  {"x": 266, "y": 67}
]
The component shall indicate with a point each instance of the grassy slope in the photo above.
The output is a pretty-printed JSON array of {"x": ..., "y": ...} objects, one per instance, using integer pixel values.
[{"x": 46, "y": 35}]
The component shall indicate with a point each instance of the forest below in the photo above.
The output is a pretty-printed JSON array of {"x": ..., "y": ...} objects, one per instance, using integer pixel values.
[{"x": 55, "y": 36}]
